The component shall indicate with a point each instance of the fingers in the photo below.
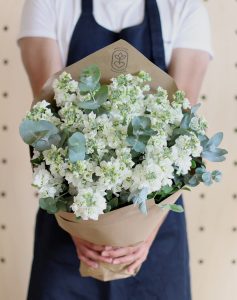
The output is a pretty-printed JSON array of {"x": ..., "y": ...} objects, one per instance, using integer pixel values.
[
  {"x": 90, "y": 245},
  {"x": 119, "y": 252},
  {"x": 131, "y": 257},
  {"x": 134, "y": 265},
  {"x": 94, "y": 255},
  {"x": 137, "y": 263},
  {"x": 88, "y": 262}
]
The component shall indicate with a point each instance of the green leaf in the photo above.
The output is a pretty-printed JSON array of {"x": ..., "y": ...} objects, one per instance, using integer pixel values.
[
  {"x": 114, "y": 203},
  {"x": 207, "y": 178},
  {"x": 89, "y": 78},
  {"x": 193, "y": 181},
  {"x": 39, "y": 134},
  {"x": 185, "y": 188},
  {"x": 141, "y": 123},
  {"x": 91, "y": 105},
  {"x": 173, "y": 207},
  {"x": 137, "y": 145},
  {"x": 38, "y": 160},
  {"x": 195, "y": 108},
  {"x": 49, "y": 204},
  {"x": 194, "y": 165},
  {"x": 77, "y": 147},
  {"x": 216, "y": 175},
  {"x": 64, "y": 137},
  {"x": 100, "y": 97},
  {"x": 102, "y": 94},
  {"x": 139, "y": 132},
  {"x": 215, "y": 140},
  {"x": 211, "y": 156},
  {"x": 186, "y": 121},
  {"x": 139, "y": 198}
]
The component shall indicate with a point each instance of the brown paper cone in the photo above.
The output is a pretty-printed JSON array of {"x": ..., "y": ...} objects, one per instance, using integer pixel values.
[
  {"x": 125, "y": 226},
  {"x": 119, "y": 228}
]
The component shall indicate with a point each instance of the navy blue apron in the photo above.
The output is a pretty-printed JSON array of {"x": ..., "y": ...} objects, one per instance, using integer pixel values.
[{"x": 165, "y": 273}]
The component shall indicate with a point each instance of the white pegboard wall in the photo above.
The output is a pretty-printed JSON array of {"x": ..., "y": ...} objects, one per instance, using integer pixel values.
[{"x": 211, "y": 212}]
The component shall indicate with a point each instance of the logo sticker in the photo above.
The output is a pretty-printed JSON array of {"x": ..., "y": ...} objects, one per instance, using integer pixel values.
[{"x": 119, "y": 60}]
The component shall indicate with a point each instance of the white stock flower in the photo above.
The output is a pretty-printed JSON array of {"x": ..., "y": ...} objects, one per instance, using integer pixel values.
[
  {"x": 40, "y": 111},
  {"x": 89, "y": 204},
  {"x": 47, "y": 185},
  {"x": 55, "y": 159},
  {"x": 198, "y": 124},
  {"x": 80, "y": 173},
  {"x": 185, "y": 147},
  {"x": 65, "y": 89}
]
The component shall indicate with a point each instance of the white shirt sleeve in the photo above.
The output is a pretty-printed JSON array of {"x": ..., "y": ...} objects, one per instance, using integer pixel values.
[
  {"x": 38, "y": 19},
  {"x": 193, "y": 31}
]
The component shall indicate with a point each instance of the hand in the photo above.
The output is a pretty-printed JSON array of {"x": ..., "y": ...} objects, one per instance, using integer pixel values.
[
  {"x": 90, "y": 253},
  {"x": 133, "y": 255}
]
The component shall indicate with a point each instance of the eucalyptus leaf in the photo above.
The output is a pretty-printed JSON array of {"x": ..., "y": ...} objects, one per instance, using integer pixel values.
[
  {"x": 173, "y": 207},
  {"x": 215, "y": 140},
  {"x": 212, "y": 156},
  {"x": 77, "y": 147},
  {"x": 194, "y": 181},
  {"x": 195, "y": 108},
  {"x": 89, "y": 78},
  {"x": 186, "y": 121},
  {"x": 216, "y": 175},
  {"x": 90, "y": 105},
  {"x": 207, "y": 178},
  {"x": 139, "y": 198},
  {"x": 137, "y": 145},
  {"x": 185, "y": 188},
  {"x": 49, "y": 204},
  {"x": 102, "y": 94},
  {"x": 39, "y": 134}
]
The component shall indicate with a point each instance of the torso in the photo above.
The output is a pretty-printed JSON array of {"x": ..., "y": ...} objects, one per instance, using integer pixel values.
[{"x": 115, "y": 16}]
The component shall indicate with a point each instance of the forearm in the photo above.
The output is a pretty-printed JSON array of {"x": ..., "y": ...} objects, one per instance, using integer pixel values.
[
  {"x": 41, "y": 59},
  {"x": 188, "y": 68}
]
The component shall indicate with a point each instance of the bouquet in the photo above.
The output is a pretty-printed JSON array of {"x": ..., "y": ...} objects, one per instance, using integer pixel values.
[{"x": 99, "y": 147}]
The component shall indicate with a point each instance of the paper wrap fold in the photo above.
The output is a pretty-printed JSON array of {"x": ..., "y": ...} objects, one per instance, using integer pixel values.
[{"x": 125, "y": 226}]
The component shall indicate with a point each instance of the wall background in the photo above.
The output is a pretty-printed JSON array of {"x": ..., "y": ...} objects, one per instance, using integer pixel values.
[{"x": 211, "y": 213}]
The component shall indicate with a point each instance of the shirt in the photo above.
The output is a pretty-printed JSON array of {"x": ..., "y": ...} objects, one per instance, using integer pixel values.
[{"x": 185, "y": 23}]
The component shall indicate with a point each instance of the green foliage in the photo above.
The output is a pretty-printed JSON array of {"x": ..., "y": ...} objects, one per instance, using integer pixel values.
[
  {"x": 173, "y": 207},
  {"x": 202, "y": 175},
  {"x": 89, "y": 79},
  {"x": 39, "y": 134},
  {"x": 187, "y": 117},
  {"x": 49, "y": 204},
  {"x": 53, "y": 205},
  {"x": 139, "y": 198},
  {"x": 77, "y": 147},
  {"x": 64, "y": 137},
  {"x": 139, "y": 133},
  {"x": 37, "y": 161},
  {"x": 97, "y": 100},
  {"x": 210, "y": 150}
]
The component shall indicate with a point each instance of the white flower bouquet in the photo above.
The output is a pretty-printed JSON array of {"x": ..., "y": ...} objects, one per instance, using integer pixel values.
[{"x": 99, "y": 147}]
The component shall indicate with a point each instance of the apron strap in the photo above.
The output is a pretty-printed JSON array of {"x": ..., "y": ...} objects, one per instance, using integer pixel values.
[
  {"x": 158, "y": 51},
  {"x": 87, "y": 6}
]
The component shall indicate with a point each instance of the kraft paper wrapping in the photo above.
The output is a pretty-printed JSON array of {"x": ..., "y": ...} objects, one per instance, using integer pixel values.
[
  {"x": 119, "y": 228},
  {"x": 125, "y": 226}
]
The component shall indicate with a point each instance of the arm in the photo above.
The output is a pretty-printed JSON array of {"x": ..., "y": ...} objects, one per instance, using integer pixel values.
[
  {"x": 188, "y": 68},
  {"x": 41, "y": 59}
]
